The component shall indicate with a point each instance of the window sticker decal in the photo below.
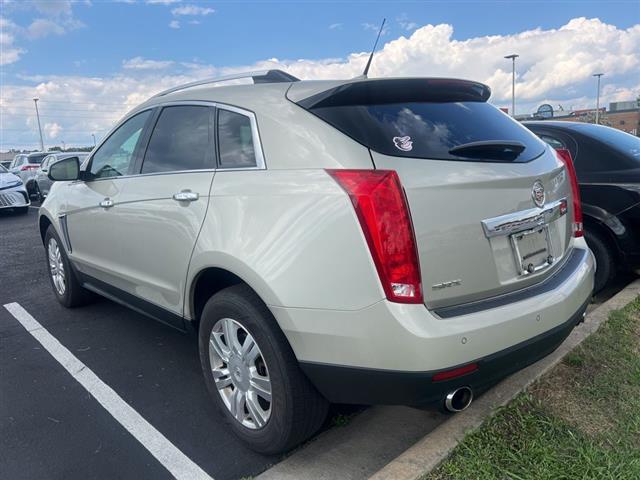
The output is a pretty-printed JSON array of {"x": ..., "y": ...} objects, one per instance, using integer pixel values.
[{"x": 403, "y": 143}]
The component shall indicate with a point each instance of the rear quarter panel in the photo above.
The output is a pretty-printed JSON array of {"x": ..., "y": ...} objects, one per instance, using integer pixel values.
[{"x": 292, "y": 236}]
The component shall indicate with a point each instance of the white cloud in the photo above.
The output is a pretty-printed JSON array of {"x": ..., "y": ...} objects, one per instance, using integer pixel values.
[
  {"x": 52, "y": 130},
  {"x": 53, "y": 7},
  {"x": 9, "y": 53},
  {"x": 376, "y": 28},
  {"x": 139, "y": 63},
  {"x": 335, "y": 26},
  {"x": 555, "y": 66},
  {"x": 161, "y": 2},
  {"x": 192, "y": 10},
  {"x": 174, "y": 24}
]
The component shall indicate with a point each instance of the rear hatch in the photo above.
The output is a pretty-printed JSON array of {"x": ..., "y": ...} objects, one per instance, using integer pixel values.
[{"x": 488, "y": 199}]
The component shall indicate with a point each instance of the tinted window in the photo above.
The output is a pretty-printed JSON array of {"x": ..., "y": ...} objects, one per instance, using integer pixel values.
[
  {"x": 235, "y": 140},
  {"x": 3, "y": 170},
  {"x": 37, "y": 159},
  {"x": 623, "y": 149},
  {"x": 429, "y": 130},
  {"x": 115, "y": 156},
  {"x": 180, "y": 141},
  {"x": 554, "y": 142}
]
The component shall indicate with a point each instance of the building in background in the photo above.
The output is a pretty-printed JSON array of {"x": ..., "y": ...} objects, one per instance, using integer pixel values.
[{"x": 624, "y": 116}]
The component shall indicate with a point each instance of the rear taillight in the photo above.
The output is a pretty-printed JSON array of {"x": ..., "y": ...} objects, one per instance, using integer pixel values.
[
  {"x": 565, "y": 156},
  {"x": 24, "y": 168},
  {"x": 381, "y": 207}
]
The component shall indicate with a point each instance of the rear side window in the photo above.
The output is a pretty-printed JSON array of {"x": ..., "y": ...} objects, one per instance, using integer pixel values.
[
  {"x": 235, "y": 140},
  {"x": 429, "y": 129},
  {"x": 554, "y": 142},
  {"x": 180, "y": 140}
]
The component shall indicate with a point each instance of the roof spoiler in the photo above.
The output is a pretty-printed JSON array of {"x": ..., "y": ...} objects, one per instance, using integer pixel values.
[{"x": 399, "y": 90}]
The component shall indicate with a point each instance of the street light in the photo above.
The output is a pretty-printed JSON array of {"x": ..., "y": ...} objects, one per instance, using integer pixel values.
[
  {"x": 513, "y": 82},
  {"x": 598, "y": 97},
  {"x": 35, "y": 100},
  {"x": 94, "y": 140}
]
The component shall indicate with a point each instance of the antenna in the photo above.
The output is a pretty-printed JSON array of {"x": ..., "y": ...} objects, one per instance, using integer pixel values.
[{"x": 366, "y": 69}]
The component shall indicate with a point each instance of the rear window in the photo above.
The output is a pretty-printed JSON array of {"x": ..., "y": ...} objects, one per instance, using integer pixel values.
[
  {"x": 429, "y": 129},
  {"x": 37, "y": 158}
]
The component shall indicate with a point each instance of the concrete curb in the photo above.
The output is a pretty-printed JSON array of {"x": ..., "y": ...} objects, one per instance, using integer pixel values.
[{"x": 436, "y": 446}]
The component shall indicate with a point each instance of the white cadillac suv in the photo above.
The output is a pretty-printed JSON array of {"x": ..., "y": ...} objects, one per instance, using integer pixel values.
[{"x": 387, "y": 241}]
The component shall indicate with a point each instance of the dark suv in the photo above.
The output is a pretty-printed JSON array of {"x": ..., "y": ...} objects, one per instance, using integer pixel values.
[{"x": 607, "y": 162}]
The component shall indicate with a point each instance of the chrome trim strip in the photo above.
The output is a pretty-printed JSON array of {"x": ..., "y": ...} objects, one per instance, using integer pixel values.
[{"x": 524, "y": 220}]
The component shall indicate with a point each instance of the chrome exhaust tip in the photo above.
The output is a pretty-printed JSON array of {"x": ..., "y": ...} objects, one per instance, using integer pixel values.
[{"x": 458, "y": 399}]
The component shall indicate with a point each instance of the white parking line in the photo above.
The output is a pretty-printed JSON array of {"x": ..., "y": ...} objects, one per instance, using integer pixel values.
[{"x": 178, "y": 464}]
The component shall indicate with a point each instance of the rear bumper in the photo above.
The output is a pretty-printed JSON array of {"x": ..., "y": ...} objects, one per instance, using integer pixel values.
[
  {"x": 387, "y": 353},
  {"x": 381, "y": 387}
]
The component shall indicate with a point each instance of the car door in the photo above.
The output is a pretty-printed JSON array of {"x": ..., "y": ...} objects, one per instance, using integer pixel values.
[
  {"x": 163, "y": 207},
  {"x": 93, "y": 203}
]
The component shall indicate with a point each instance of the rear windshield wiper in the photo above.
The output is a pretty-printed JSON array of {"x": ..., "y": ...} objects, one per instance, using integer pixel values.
[{"x": 490, "y": 149}]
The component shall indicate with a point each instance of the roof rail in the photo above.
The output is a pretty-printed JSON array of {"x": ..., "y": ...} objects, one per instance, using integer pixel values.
[{"x": 259, "y": 76}]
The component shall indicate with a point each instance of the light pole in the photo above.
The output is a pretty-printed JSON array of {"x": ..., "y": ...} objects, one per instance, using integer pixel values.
[
  {"x": 35, "y": 100},
  {"x": 513, "y": 82},
  {"x": 94, "y": 140},
  {"x": 598, "y": 98},
  {"x": 64, "y": 146}
]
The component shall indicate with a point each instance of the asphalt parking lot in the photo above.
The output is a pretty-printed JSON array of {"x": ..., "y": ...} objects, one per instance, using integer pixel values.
[{"x": 51, "y": 427}]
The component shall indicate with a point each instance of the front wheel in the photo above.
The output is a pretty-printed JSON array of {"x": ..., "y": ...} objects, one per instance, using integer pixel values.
[
  {"x": 65, "y": 285},
  {"x": 39, "y": 196},
  {"x": 253, "y": 375}
]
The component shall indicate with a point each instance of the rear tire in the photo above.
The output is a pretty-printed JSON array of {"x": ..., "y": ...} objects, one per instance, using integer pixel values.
[
  {"x": 67, "y": 288},
  {"x": 606, "y": 267},
  {"x": 295, "y": 411},
  {"x": 39, "y": 196}
]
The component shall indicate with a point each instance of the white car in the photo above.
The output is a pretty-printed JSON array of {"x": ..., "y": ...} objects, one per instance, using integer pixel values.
[
  {"x": 13, "y": 194},
  {"x": 25, "y": 165},
  {"x": 387, "y": 241}
]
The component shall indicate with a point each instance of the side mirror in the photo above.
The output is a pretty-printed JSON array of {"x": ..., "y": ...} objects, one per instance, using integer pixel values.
[{"x": 65, "y": 170}]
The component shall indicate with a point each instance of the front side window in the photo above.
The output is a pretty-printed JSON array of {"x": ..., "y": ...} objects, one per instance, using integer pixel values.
[
  {"x": 45, "y": 162},
  {"x": 115, "y": 156},
  {"x": 235, "y": 140},
  {"x": 180, "y": 141}
]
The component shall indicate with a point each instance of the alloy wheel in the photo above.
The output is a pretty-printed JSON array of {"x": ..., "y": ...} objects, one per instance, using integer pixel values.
[
  {"x": 240, "y": 373},
  {"x": 56, "y": 267}
]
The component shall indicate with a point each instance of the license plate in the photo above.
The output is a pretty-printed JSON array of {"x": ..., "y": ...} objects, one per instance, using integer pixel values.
[{"x": 532, "y": 250}]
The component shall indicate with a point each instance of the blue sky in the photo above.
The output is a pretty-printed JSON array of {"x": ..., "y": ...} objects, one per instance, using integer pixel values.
[
  {"x": 114, "y": 54},
  {"x": 243, "y": 32}
]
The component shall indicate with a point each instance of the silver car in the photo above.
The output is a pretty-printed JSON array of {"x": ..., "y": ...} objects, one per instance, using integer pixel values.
[
  {"x": 13, "y": 193},
  {"x": 368, "y": 241},
  {"x": 41, "y": 181},
  {"x": 25, "y": 165}
]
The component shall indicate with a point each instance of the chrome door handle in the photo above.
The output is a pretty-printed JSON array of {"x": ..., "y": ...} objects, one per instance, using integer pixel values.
[
  {"x": 186, "y": 196},
  {"x": 106, "y": 203}
]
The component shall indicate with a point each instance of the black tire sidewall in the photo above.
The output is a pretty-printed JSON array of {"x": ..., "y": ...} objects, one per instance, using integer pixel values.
[
  {"x": 70, "y": 281},
  {"x": 605, "y": 263},
  {"x": 229, "y": 305}
]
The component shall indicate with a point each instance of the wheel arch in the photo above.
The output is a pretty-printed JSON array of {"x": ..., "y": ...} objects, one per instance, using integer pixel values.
[
  {"x": 212, "y": 278},
  {"x": 43, "y": 224}
]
